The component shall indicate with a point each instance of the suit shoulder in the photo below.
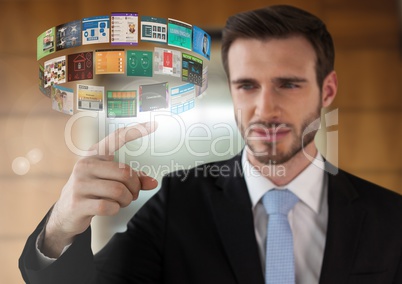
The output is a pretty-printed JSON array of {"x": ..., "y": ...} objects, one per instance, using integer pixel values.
[
  {"x": 374, "y": 192},
  {"x": 363, "y": 183},
  {"x": 209, "y": 171}
]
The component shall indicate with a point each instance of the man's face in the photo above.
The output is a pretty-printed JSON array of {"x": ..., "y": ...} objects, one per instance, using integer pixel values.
[{"x": 275, "y": 95}]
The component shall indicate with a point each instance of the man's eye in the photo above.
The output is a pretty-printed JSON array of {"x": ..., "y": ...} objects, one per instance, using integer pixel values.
[
  {"x": 289, "y": 85},
  {"x": 246, "y": 86}
]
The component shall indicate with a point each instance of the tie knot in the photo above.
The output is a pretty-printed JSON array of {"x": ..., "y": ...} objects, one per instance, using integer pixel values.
[{"x": 279, "y": 201}]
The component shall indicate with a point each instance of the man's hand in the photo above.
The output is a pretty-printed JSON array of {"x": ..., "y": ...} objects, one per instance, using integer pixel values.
[{"x": 97, "y": 186}]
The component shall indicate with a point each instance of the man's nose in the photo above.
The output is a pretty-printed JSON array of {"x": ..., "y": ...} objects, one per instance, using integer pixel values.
[{"x": 268, "y": 105}]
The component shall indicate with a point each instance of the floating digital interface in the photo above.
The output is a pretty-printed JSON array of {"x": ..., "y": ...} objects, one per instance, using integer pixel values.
[
  {"x": 192, "y": 69},
  {"x": 45, "y": 91},
  {"x": 90, "y": 97},
  {"x": 122, "y": 103},
  {"x": 95, "y": 30},
  {"x": 182, "y": 98},
  {"x": 80, "y": 66},
  {"x": 68, "y": 35},
  {"x": 153, "y": 29},
  {"x": 55, "y": 71},
  {"x": 120, "y": 76},
  {"x": 62, "y": 99},
  {"x": 46, "y": 43},
  {"x": 179, "y": 34},
  {"x": 110, "y": 61},
  {"x": 201, "y": 42},
  {"x": 124, "y": 29},
  {"x": 139, "y": 63},
  {"x": 167, "y": 61},
  {"x": 154, "y": 96}
]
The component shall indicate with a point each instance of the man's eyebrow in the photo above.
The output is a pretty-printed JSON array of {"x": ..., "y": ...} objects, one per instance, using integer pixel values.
[
  {"x": 243, "y": 81},
  {"x": 278, "y": 80},
  {"x": 290, "y": 79}
]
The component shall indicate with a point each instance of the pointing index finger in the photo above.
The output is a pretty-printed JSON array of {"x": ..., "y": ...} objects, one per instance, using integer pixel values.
[{"x": 117, "y": 139}]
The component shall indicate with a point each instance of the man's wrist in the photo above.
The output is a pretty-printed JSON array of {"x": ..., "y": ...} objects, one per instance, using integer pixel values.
[{"x": 44, "y": 260}]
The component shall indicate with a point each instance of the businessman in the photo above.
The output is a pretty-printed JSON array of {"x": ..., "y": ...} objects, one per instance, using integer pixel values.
[{"x": 239, "y": 220}]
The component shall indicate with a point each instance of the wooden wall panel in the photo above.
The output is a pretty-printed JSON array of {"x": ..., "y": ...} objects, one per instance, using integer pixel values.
[
  {"x": 27, "y": 199},
  {"x": 24, "y": 201},
  {"x": 19, "y": 91},
  {"x": 368, "y": 63},
  {"x": 361, "y": 24},
  {"x": 369, "y": 79},
  {"x": 25, "y": 133},
  {"x": 367, "y": 141},
  {"x": 10, "y": 249}
]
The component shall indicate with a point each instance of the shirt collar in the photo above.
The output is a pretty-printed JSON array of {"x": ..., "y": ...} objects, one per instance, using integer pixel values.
[{"x": 307, "y": 186}]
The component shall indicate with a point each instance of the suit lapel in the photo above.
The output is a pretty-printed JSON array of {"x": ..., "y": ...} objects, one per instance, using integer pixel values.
[
  {"x": 231, "y": 207},
  {"x": 345, "y": 220}
]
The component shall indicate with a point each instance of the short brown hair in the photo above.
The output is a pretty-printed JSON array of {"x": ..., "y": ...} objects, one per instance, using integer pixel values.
[{"x": 281, "y": 21}]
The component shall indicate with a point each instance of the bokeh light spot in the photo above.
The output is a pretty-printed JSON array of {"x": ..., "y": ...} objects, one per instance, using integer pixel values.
[
  {"x": 21, "y": 166},
  {"x": 35, "y": 156}
]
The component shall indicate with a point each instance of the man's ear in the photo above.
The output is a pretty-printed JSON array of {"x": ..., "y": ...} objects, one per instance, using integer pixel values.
[{"x": 329, "y": 89}]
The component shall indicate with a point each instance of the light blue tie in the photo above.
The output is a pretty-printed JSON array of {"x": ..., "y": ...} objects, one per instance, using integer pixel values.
[{"x": 280, "y": 262}]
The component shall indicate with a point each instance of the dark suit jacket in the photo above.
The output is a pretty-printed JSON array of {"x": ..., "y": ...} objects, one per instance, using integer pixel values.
[{"x": 198, "y": 228}]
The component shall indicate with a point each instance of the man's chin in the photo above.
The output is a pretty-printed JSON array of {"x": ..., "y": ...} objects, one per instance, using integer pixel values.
[
  {"x": 273, "y": 160},
  {"x": 269, "y": 157},
  {"x": 265, "y": 152}
]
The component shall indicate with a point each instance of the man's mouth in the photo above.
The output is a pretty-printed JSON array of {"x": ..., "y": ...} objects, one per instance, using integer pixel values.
[{"x": 272, "y": 134}]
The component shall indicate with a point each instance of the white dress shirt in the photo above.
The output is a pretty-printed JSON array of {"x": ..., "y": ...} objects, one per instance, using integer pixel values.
[{"x": 308, "y": 219}]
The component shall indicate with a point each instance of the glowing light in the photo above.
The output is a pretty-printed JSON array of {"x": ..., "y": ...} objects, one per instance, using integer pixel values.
[
  {"x": 21, "y": 166},
  {"x": 34, "y": 156}
]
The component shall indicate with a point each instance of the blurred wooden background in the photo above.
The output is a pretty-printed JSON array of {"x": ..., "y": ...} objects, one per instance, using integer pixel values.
[{"x": 368, "y": 60}]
